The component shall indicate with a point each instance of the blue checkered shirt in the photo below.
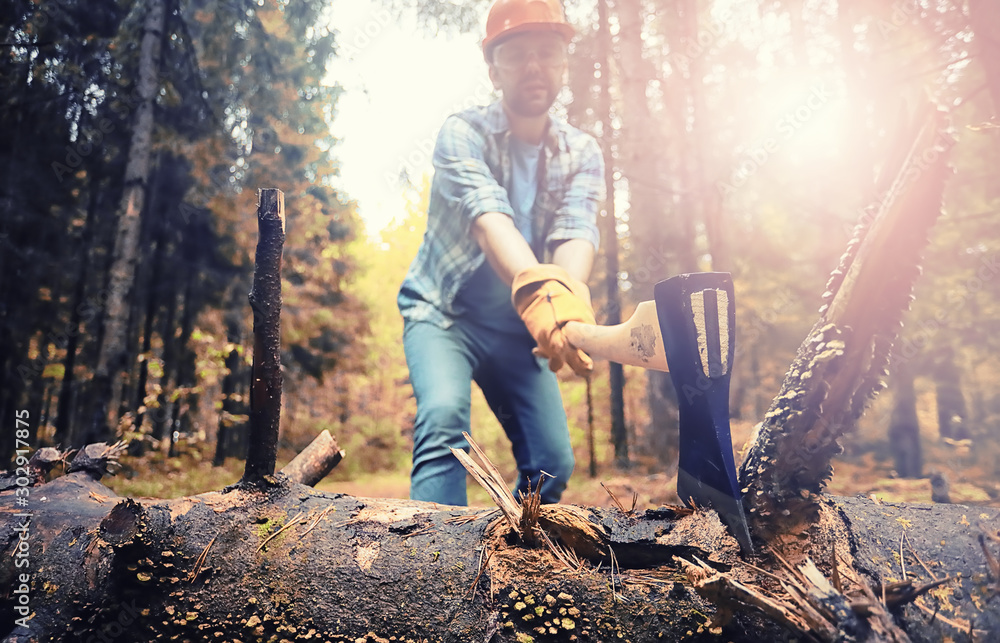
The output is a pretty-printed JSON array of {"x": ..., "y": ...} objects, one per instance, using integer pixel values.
[{"x": 472, "y": 170}]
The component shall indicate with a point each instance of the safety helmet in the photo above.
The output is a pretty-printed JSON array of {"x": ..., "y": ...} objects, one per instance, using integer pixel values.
[{"x": 509, "y": 17}]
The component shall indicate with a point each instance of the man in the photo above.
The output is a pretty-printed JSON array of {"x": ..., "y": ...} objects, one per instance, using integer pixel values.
[{"x": 512, "y": 209}]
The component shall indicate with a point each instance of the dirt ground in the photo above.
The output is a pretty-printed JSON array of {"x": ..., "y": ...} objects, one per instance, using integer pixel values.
[
  {"x": 973, "y": 476},
  {"x": 970, "y": 475}
]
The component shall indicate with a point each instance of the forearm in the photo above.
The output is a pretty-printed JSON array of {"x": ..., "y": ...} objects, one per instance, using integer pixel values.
[
  {"x": 504, "y": 246},
  {"x": 576, "y": 256},
  {"x": 508, "y": 252}
]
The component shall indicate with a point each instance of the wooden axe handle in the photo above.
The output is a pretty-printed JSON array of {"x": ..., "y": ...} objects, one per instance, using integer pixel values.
[{"x": 636, "y": 341}]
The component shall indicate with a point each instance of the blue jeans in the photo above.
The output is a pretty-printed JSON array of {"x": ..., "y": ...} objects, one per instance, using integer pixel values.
[{"x": 520, "y": 389}]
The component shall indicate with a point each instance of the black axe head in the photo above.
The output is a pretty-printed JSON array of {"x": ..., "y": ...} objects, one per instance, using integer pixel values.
[{"x": 697, "y": 317}]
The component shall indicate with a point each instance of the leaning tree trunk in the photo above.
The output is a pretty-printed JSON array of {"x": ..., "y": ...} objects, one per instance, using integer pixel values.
[{"x": 842, "y": 362}]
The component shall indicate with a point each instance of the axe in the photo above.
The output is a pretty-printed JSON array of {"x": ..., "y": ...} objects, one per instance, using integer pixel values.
[{"x": 689, "y": 329}]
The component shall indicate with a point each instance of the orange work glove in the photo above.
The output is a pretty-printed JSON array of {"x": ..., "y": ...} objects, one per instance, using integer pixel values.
[{"x": 546, "y": 298}]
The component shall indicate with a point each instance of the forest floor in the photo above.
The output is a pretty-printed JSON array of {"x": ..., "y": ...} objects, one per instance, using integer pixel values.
[{"x": 973, "y": 477}]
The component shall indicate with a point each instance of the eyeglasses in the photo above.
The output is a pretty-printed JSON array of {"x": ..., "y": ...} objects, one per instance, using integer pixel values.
[{"x": 514, "y": 57}]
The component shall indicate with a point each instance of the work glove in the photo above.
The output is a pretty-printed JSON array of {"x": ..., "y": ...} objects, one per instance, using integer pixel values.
[{"x": 546, "y": 298}]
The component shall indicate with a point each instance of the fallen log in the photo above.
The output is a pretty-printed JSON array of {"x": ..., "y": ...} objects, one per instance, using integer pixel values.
[{"x": 291, "y": 563}]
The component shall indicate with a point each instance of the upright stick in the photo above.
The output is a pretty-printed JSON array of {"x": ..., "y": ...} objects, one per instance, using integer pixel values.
[{"x": 265, "y": 300}]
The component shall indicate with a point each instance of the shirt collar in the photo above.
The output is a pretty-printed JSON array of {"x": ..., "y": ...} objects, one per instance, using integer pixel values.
[{"x": 555, "y": 135}]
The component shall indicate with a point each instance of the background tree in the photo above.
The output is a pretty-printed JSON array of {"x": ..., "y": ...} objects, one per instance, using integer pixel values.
[{"x": 239, "y": 99}]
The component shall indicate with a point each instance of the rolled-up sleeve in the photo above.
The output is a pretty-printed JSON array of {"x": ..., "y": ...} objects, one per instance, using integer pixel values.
[
  {"x": 576, "y": 217},
  {"x": 462, "y": 175}
]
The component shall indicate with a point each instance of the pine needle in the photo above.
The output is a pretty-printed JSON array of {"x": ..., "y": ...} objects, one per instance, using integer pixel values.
[
  {"x": 201, "y": 560},
  {"x": 277, "y": 533}
]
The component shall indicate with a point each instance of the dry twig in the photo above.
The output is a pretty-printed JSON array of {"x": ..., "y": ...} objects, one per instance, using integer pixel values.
[
  {"x": 466, "y": 519},
  {"x": 419, "y": 532},
  {"x": 621, "y": 507},
  {"x": 491, "y": 480},
  {"x": 914, "y": 552},
  {"x": 958, "y": 624}
]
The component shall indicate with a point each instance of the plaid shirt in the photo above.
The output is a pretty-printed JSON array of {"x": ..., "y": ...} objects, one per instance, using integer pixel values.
[{"x": 471, "y": 174}]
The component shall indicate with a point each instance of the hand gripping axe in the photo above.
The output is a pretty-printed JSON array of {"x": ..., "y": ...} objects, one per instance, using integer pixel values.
[{"x": 690, "y": 330}]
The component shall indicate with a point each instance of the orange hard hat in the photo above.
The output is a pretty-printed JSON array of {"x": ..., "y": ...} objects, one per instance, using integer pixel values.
[{"x": 509, "y": 17}]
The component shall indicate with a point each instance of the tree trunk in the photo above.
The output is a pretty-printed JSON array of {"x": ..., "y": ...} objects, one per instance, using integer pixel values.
[
  {"x": 153, "y": 302},
  {"x": 232, "y": 406},
  {"x": 904, "y": 427},
  {"x": 107, "y": 385},
  {"x": 951, "y": 410},
  {"x": 265, "y": 300},
  {"x": 66, "y": 409},
  {"x": 186, "y": 378},
  {"x": 609, "y": 232},
  {"x": 170, "y": 351},
  {"x": 706, "y": 201},
  {"x": 291, "y": 563},
  {"x": 659, "y": 239},
  {"x": 985, "y": 18},
  {"x": 841, "y": 364}
]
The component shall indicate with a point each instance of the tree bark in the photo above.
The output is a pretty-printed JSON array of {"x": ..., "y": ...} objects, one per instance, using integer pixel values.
[
  {"x": 314, "y": 462},
  {"x": 110, "y": 357},
  {"x": 265, "y": 299}
]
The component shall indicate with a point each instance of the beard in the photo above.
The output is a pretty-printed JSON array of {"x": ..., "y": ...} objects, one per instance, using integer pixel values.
[{"x": 532, "y": 96}]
